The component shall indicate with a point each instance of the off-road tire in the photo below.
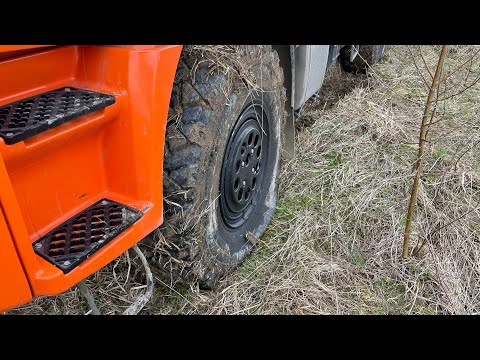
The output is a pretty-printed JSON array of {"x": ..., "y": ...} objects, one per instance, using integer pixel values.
[
  {"x": 367, "y": 56},
  {"x": 194, "y": 245}
]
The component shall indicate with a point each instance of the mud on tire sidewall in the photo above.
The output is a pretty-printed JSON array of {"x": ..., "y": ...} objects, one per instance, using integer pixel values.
[
  {"x": 206, "y": 103},
  {"x": 217, "y": 236},
  {"x": 216, "y": 232}
]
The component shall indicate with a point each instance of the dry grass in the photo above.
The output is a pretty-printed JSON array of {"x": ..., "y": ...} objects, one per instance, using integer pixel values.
[{"x": 334, "y": 246}]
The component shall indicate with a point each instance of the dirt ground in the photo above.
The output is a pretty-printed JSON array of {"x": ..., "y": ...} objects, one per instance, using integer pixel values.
[{"x": 334, "y": 246}]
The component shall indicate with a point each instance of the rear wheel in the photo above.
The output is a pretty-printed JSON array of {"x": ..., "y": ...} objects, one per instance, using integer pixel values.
[
  {"x": 221, "y": 161},
  {"x": 367, "y": 56}
]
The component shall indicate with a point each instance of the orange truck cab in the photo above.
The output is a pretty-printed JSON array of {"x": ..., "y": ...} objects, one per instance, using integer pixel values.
[
  {"x": 89, "y": 150},
  {"x": 82, "y": 132}
]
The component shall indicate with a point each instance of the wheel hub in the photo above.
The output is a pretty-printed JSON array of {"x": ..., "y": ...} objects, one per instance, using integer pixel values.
[{"x": 242, "y": 167}]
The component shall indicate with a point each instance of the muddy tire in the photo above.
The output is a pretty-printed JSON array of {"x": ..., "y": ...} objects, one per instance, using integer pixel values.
[
  {"x": 368, "y": 55},
  {"x": 221, "y": 162}
]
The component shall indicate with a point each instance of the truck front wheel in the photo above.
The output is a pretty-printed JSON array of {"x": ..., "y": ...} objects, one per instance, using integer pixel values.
[{"x": 221, "y": 161}]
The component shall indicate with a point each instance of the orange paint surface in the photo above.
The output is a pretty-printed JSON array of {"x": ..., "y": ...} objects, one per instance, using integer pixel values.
[
  {"x": 116, "y": 152},
  {"x": 14, "y": 287},
  {"x": 8, "y": 48}
]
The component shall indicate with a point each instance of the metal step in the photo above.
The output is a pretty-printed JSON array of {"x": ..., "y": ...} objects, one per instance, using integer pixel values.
[
  {"x": 75, "y": 240},
  {"x": 26, "y": 118}
]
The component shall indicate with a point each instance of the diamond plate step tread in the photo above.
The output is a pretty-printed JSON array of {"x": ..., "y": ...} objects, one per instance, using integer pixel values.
[
  {"x": 70, "y": 243},
  {"x": 34, "y": 115}
]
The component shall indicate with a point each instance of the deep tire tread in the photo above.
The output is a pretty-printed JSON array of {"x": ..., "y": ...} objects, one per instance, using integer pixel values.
[{"x": 185, "y": 162}]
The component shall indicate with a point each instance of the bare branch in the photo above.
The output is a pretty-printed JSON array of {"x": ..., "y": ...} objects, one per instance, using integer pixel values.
[
  {"x": 460, "y": 66},
  {"x": 465, "y": 152},
  {"x": 463, "y": 90},
  {"x": 425, "y": 63},
  {"x": 418, "y": 70}
]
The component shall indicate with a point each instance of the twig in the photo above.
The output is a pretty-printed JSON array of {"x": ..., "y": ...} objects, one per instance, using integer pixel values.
[
  {"x": 431, "y": 122},
  {"x": 88, "y": 295},
  {"x": 466, "y": 151},
  {"x": 425, "y": 63},
  {"x": 142, "y": 299},
  {"x": 418, "y": 69},
  {"x": 461, "y": 91},
  {"x": 459, "y": 67}
]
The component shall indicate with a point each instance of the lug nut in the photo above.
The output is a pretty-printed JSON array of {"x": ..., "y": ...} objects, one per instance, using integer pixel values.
[
  {"x": 66, "y": 263},
  {"x": 38, "y": 245}
]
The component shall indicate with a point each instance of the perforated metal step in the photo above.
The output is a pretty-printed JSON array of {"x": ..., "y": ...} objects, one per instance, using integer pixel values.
[
  {"x": 25, "y": 118},
  {"x": 71, "y": 243}
]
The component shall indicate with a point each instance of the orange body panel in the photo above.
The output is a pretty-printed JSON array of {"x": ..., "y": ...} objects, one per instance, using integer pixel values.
[
  {"x": 116, "y": 152},
  {"x": 13, "y": 283},
  {"x": 9, "y": 48}
]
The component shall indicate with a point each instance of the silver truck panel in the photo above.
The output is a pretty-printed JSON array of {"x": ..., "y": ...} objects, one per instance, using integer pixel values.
[{"x": 310, "y": 66}]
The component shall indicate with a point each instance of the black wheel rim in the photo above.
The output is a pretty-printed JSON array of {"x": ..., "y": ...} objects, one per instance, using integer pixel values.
[{"x": 243, "y": 166}]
